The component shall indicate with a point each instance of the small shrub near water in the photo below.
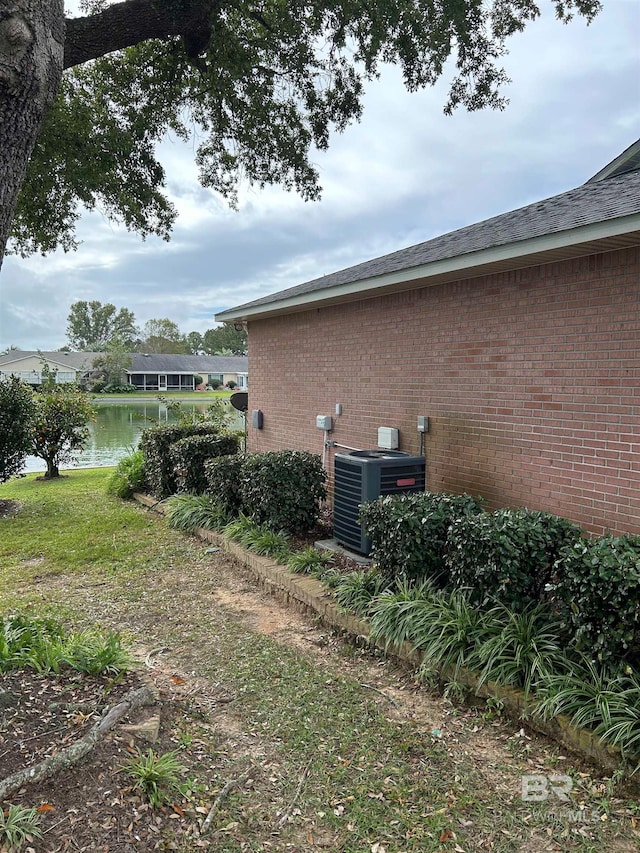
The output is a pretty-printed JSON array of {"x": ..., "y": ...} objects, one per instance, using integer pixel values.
[
  {"x": 159, "y": 466},
  {"x": 188, "y": 456},
  {"x": 224, "y": 482},
  {"x": 128, "y": 476}
]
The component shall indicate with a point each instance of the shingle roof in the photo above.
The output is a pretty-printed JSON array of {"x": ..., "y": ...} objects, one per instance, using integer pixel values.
[
  {"x": 141, "y": 363},
  {"x": 155, "y": 363},
  {"x": 592, "y": 203},
  {"x": 74, "y": 360}
]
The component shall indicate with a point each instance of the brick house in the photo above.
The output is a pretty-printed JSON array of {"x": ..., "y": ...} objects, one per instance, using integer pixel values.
[{"x": 517, "y": 336}]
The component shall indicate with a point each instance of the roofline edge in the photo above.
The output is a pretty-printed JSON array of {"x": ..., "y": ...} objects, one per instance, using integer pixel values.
[{"x": 462, "y": 263}]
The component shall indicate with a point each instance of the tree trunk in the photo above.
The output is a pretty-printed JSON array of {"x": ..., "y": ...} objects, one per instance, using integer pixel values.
[
  {"x": 32, "y": 36},
  {"x": 52, "y": 469},
  {"x": 36, "y": 43}
]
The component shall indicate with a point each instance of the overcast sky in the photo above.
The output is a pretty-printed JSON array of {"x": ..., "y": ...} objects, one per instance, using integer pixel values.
[{"x": 405, "y": 174}]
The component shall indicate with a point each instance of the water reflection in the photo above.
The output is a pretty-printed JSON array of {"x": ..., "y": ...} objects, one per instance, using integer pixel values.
[{"x": 116, "y": 432}]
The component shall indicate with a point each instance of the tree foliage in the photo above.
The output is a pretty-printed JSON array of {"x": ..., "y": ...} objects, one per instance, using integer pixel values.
[
  {"x": 109, "y": 368},
  {"x": 263, "y": 85},
  {"x": 60, "y": 426},
  {"x": 95, "y": 327},
  {"x": 225, "y": 340},
  {"x": 162, "y": 336},
  {"x": 16, "y": 413}
]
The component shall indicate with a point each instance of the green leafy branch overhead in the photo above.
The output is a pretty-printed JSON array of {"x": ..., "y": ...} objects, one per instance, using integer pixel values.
[{"x": 261, "y": 86}]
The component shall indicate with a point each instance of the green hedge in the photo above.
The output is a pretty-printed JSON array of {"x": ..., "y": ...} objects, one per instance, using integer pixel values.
[
  {"x": 155, "y": 444},
  {"x": 508, "y": 555},
  {"x": 409, "y": 532},
  {"x": 224, "y": 483},
  {"x": 283, "y": 489},
  {"x": 598, "y": 589},
  {"x": 188, "y": 456}
]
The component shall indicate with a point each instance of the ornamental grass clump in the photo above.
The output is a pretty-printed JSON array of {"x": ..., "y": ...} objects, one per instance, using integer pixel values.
[
  {"x": 18, "y": 826},
  {"x": 397, "y": 614},
  {"x": 156, "y": 776},
  {"x": 356, "y": 591},
  {"x": 309, "y": 561},
  {"x": 522, "y": 649},
  {"x": 592, "y": 698},
  {"x": 43, "y": 644},
  {"x": 191, "y": 512}
]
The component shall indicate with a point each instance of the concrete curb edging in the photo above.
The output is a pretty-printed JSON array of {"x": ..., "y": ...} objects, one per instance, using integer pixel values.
[{"x": 311, "y": 595}]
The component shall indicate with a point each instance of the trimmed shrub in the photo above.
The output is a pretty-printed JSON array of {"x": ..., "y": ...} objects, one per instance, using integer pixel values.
[
  {"x": 155, "y": 444},
  {"x": 224, "y": 482},
  {"x": 283, "y": 489},
  {"x": 189, "y": 454},
  {"x": 409, "y": 532},
  {"x": 128, "y": 477},
  {"x": 507, "y": 555},
  {"x": 598, "y": 590}
]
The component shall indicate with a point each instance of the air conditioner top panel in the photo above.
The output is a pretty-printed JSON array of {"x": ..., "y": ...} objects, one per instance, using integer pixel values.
[{"x": 375, "y": 454}]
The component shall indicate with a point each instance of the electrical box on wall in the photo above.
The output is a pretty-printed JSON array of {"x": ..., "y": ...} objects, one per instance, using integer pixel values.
[
  {"x": 256, "y": 419},
  {"x": 324, "y": 422},
  {"x": 388, "y": 438},
  {"x": 423, "y": 423}
]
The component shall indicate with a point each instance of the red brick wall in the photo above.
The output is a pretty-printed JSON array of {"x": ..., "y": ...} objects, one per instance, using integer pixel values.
[{"x": 531, "y": 381}]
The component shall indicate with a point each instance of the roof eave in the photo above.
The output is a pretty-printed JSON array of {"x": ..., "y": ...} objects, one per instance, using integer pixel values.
[{"x": 575, "y": 242}]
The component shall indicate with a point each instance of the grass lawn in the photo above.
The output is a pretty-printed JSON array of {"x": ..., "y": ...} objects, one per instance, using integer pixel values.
[{"x": 347, "y": 748}]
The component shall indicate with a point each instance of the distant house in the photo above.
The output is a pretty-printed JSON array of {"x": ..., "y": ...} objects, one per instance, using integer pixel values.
[
  {"x": 28, "y": 365},
  {"x": 518, "y": 337},
  {"x": 147, "y": 372},
  {"x": 151, "y": 372}
]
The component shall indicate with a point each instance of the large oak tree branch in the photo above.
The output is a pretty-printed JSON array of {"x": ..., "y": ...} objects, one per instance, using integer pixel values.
[{"x": 134, "y": 21}]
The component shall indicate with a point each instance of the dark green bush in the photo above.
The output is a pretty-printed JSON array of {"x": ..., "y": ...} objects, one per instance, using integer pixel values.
[
  {"x": 283, "y": 489},
  {"x": 224, "y": 482},
  {"x": 598, "y": 590},
  {"x": 189, "y": 454},
  {"x": 155, "y": 444},
  {"x": 409, "y": 532},
  {"x": 507, "y": 555}
]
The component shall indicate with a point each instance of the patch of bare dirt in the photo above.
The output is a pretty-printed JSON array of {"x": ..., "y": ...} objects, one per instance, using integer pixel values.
[{"x": 9, "y": 508}]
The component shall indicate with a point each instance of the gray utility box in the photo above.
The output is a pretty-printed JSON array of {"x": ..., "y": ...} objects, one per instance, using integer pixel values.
[{"x": 364, "y": 475}]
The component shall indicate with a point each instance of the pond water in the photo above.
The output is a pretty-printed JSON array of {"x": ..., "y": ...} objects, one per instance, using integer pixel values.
[{"x": 117, "y": 429}]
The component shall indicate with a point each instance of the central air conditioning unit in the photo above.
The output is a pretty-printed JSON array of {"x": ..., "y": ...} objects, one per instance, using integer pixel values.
[{"x": 364, "y": 475}]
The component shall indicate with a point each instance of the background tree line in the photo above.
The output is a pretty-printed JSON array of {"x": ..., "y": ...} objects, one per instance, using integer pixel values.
[{"x": 94, "y": 327}]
